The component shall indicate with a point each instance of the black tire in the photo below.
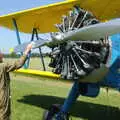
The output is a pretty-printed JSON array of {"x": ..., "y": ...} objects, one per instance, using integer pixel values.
[
  {"x": 53, "y": 110},
  {"x": 45, "y": 115},
  {"x": 50, "y": 113}
]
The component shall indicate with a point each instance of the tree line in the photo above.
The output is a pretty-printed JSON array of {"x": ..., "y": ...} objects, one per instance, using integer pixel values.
[{"x": 14, "y": 55}]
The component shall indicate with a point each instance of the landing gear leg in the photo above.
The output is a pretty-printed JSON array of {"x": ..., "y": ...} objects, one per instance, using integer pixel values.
[{"x": 61, "y": 113}]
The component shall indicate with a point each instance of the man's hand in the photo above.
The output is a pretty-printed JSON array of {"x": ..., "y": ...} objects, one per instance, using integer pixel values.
[{"x": 28, "y": 48}]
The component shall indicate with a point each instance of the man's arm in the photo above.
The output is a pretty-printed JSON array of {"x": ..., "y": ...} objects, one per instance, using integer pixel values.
[{"x": 19, "y": 63}]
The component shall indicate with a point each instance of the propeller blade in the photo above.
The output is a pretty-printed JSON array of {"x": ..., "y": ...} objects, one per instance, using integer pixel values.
[
  {"x": 93, "y": 32},
  {"x": 36, "y": 44}
]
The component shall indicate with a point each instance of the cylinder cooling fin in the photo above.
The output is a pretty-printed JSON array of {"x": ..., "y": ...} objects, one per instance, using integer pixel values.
[{"x": 77, "y": 59}]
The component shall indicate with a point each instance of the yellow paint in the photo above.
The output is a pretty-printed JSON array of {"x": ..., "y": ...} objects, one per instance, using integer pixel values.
[
  {"x": 38, "y": 72},
  {"x": 43, "y": 18}
]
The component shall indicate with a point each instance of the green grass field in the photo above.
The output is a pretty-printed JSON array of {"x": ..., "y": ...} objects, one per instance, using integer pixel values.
[{"x": 32, "y": 95}]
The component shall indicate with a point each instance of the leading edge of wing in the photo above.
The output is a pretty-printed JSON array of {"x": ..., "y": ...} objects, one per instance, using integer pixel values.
[{"x": 43, "y": 18}]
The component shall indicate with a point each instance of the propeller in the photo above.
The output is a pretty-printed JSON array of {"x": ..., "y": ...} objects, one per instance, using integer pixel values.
[
  {"x": 91, "y": 32},
  {"x": 80, "y": 46}
]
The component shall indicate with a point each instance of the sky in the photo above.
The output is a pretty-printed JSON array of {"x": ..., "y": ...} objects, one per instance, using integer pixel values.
[{"x": 9, "y": 6}]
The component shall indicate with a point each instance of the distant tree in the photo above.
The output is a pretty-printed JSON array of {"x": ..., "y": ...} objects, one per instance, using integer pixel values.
[{"x": 12, "y": 55}]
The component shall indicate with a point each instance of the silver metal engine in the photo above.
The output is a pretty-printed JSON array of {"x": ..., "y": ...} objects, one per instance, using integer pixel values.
[{"x": 77, "y": 59}]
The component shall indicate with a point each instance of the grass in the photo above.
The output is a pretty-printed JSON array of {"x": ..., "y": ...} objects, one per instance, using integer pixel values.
[
  {"x": 31, "y": 96},
  {"x": 35, "y": 63}
]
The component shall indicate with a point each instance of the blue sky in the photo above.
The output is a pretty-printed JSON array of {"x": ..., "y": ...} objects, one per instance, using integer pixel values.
[{"x": 8, "y": 38}]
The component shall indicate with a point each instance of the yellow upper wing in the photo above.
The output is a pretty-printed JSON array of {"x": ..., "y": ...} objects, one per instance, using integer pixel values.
[{"x": 43, "y": 18}]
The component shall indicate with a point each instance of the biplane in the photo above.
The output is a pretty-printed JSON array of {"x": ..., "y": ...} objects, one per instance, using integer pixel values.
[{"x": 85, "y": 45}]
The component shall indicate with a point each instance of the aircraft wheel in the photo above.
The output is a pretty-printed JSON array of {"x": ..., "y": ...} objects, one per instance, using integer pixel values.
[{"x": 51, "y": 113}]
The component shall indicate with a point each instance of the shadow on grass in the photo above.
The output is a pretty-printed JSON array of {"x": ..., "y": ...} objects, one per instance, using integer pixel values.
[{"x": 85, "y": 110}]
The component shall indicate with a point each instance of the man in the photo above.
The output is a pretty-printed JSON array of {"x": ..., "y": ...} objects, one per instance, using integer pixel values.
[{"x": 5, "y": 68}]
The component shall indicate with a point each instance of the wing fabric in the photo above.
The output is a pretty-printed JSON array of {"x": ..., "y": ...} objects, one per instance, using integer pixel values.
[{"x": 45, "y": 17}]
